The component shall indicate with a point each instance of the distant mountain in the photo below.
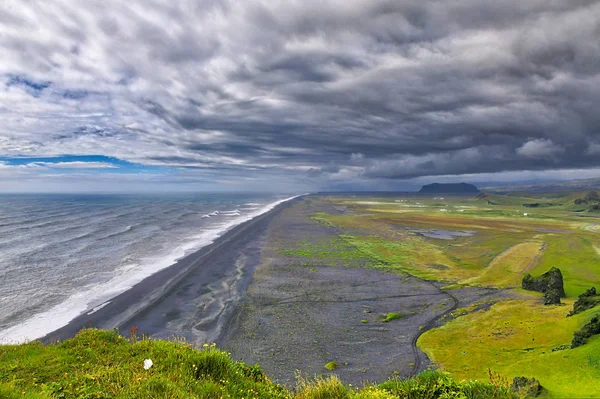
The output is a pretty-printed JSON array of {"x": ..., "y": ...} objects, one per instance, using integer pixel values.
[
  {"x": 569, "y": 185},
  {"x": 449, "y": 188}
]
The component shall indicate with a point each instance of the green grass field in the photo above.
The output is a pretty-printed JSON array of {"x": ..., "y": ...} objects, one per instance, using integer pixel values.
[
  {"x": 103, "y": 364},
  {"x": 508, "y": 240}
]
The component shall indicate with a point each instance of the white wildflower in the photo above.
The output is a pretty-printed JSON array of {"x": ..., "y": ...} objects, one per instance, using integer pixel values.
[{"x": 147, "y": 364}]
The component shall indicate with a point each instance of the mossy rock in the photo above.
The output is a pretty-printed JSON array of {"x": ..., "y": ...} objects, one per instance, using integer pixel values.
[
  {"x": 391, "y": 316},
  {"x": 590, "y": 329},
  {"x": 551, "y": 297},
  {"x": 526, "y": 387},
  {"x": 331, "y": 366},
  {"x": 552, "y": 280},
  {"x": 587, "y": 300}
]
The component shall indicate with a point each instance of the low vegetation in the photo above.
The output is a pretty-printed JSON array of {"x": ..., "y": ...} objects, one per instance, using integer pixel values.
[
  {"x": 103, "y": 364},
  {"x": 520, "y": 337},
  {"x": 391, "y": 316},
  {"x": 510, "y": 236},
  {"x": 331, "y": 366}
]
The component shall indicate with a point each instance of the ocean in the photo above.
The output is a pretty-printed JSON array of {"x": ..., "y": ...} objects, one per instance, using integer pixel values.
[{"x": 63, "y": 255}]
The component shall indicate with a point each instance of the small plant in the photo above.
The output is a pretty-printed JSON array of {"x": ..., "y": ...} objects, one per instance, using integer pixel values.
[
  {"x": 435, "y": 384},
  {"x": 498, "y": 380},
  {"x": 133, "y": 333},
  {"x": 331, "y": 366},
  {"x": 321, "y": 388},
  {"x": 364, "y": 321}
]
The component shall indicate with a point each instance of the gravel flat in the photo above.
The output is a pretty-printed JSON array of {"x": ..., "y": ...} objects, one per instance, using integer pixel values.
[{"x": 300, "y": 314}]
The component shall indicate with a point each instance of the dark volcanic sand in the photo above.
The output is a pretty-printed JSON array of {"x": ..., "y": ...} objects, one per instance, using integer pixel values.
[
  {"x": 302, "y": 315},
  {"x": 192, "y": 298}
]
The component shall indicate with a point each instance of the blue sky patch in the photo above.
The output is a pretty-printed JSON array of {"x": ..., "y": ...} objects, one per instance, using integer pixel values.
[
  {"x": 33, "y": 87},
  {"x": 115, "y": 165}
]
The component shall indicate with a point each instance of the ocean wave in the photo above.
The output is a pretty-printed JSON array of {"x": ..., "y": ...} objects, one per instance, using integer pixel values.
[
  {"x": 87, "y": 298},
  {"x": 235, "y": 212},
  {"x": 118, "y": 233}
]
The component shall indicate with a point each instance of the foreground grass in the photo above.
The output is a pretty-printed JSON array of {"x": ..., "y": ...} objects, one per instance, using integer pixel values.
[{"x": 103, "y": 364}]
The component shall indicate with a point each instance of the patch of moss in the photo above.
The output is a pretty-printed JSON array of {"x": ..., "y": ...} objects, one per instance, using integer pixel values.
[
  {"x": 331, "y": 366},
  {"x": 391, "y": 316}
]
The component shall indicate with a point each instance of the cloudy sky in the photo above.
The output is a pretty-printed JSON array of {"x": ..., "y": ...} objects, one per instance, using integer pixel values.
[{"x": 296, "y": 94}]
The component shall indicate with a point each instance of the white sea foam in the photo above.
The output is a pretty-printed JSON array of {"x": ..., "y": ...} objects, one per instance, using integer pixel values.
[
  {"x": 97, "y": 308},
  {"x": 92, "y": 298}
]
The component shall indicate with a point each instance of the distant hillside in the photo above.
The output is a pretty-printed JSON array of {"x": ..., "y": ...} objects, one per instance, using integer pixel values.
[
  {"x": 570, "y": 185},
  {"x": 449, "y": 188}
]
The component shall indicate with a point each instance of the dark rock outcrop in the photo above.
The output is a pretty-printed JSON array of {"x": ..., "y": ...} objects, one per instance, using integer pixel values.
[
  {"x": 551, "y": 297},
  {"x": 540, "y": 204},
  {"x": 550, "y": 283},
  {"x": 526, "y": 387},
  {"x": 590, "y": 329},
  {"x": 587, "y": 300},
  {"x": 561, "y": 348},
  {"x": 449, "y": 188}
]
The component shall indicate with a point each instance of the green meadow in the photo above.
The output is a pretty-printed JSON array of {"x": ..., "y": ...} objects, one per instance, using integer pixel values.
[{"x": 505, "y": 237}]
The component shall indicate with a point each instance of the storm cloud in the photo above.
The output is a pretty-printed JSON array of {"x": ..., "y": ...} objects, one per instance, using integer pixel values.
[{"x": 309, "y": 94}]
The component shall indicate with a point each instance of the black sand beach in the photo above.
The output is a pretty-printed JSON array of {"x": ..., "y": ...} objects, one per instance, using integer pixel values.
[
  {"x": 243, "y": 293},
  {"x": 301, "y": 316},
  {"x": 190, "y": 299}
]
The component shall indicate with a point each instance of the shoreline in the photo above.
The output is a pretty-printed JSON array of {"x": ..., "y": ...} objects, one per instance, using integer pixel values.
[{"x": 207, "y": 265}]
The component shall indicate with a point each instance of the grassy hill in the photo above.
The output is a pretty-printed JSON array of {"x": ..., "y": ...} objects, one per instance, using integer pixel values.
[
  {"x": 104, "y": 364},
  {"x": 578, "y": 184}
]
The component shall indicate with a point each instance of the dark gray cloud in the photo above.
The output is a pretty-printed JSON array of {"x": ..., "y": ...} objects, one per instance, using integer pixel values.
[{"x": 313, "y": 93}]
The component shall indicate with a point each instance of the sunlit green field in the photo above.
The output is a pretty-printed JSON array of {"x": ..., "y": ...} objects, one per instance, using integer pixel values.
[{"x": 505, "y": 240}]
